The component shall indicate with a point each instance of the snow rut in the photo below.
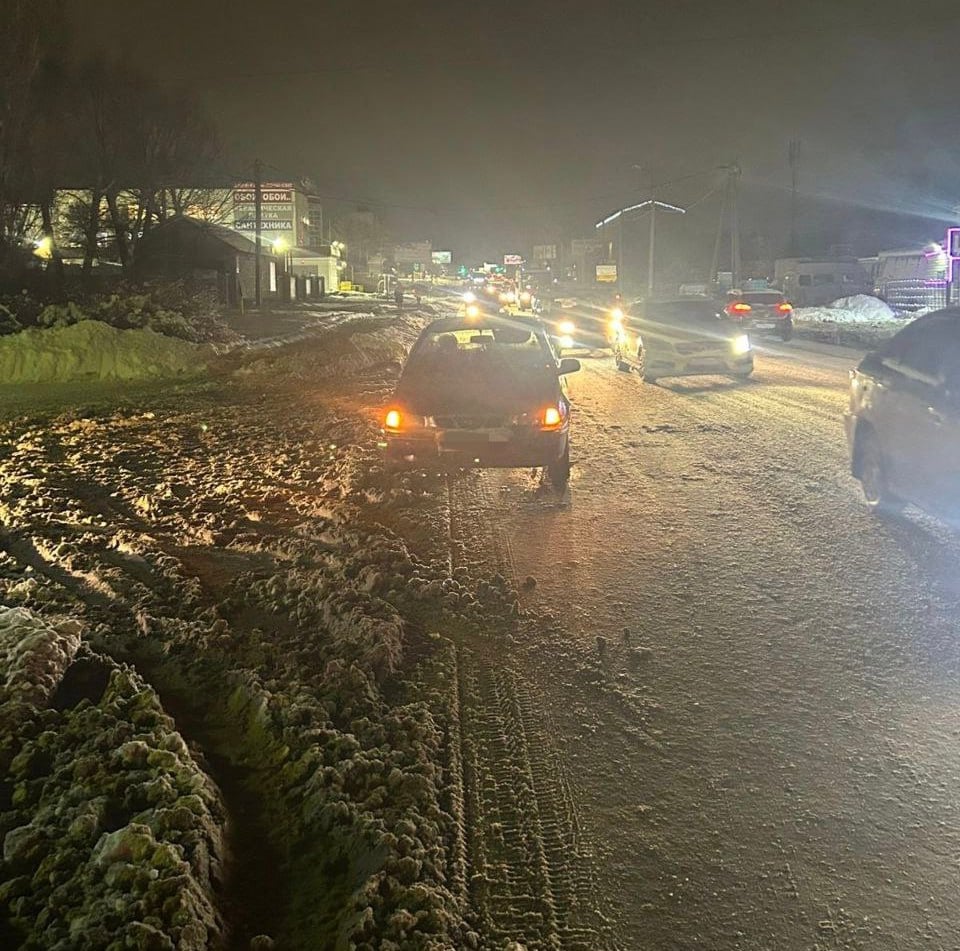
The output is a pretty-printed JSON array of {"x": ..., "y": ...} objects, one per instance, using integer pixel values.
[{"x": 532, "y": 877}]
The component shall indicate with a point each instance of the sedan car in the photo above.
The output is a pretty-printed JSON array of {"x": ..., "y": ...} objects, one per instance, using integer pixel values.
[
  {"x": 683, "y": 337},
  {"x": 484, "y": 391},
  {"x": 761, "y": 310},
  {"x": 903, "y": 423}
]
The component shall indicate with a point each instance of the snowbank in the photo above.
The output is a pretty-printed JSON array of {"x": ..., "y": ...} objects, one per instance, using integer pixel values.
[
  {"x": 859, "y": 309},
  {"x": 92, "y": 350}
]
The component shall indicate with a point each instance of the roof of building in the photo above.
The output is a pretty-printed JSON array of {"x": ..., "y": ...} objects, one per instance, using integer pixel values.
[{"x": 220, "y": 232}]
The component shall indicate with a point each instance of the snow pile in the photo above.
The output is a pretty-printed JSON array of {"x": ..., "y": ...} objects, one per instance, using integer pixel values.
[
  {"x": 94, "y": 351},
  {"x": 859, "y": 309}
]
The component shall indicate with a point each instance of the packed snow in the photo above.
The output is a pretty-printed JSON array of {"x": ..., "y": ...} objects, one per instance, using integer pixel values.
[
  {"x": 859, "y": 309},
  {"x": 94, "y": 351}
]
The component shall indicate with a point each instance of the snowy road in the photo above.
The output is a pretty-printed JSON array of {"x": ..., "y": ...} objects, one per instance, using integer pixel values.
[{"x": 754, "y": 693}]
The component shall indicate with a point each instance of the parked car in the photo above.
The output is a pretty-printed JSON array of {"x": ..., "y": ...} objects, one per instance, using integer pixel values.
[
  {"x": 683, "y": 337},
  {"x": 903, "y": 424},
  {"x": 483, "y": 391},
  {"x": 757, "y": 311}
]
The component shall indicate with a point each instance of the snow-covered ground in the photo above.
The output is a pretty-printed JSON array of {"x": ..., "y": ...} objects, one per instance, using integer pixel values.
[
  {"x": 94, "y": 351},
  {"x": 257, "y": 688}
]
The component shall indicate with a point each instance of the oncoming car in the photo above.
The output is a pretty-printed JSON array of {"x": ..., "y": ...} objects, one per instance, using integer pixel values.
[
  {"x": 482, "y": 392},
  {"x": 903, "y": 423},
  {"x": 683, "y": 337}
]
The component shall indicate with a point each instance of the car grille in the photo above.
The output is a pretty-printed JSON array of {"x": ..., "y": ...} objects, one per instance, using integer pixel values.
[
  {"x": 696, "y": 346},
  {"x": 471, "y": 422}
]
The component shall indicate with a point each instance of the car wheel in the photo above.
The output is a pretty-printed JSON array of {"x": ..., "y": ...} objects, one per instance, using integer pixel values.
[
  {"x": 742, "y": 374},
  {"x": 872, "y": 473},
  {"x": 645, "y": 374},
  {"x": 559, "y": 471},
  {"x": 786, "y": 330}
]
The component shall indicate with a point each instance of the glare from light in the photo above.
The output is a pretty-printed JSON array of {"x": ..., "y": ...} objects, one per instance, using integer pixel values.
[
  {"x": 566, "y": 342},
  {"x": 567, "y": 327},
  {"x": 741, "y": 344},
  {"x": 393, "y": 419},
  {"x": 280, "y": 245},
  {"x": 470, "y": 297},
  {"x": 617, "y": 313},
  {"x": 551, "y": 416},
  {"x": 473, "y": 310}
]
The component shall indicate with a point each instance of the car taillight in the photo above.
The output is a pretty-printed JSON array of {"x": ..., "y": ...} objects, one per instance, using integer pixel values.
[
  {"x": 393, "y": 421},
  {"x": 785, "y": 308},
  {"x": 738, "y": 308},
  {"x": 552, "y": 417}
]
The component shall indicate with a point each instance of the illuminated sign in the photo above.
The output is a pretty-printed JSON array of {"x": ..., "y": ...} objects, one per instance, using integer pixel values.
[
  {"x": 607, "y": 273},
  {"x": 271, "y": 193},
  {"x": 250, "y": 224},
  {"x": 441, "y": 257},
  {"x": 509, "y": 259}
]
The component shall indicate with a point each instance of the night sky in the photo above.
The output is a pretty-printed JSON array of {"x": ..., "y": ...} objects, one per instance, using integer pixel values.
[{"x": 485, "y": 125}]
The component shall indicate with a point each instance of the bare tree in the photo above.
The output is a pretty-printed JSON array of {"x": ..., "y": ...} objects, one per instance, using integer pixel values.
[{"x": 31, "y": 49}]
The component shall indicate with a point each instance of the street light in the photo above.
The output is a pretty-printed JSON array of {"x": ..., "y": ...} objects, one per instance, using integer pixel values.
[{"x": 653, "y": 205}]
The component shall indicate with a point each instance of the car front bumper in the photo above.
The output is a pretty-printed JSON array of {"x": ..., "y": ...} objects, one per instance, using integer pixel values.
[{"x": 458, "y": 449}]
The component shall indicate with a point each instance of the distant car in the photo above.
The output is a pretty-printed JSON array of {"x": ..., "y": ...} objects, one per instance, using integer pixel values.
[
  {"x": 903, "y": 424},
  {"x": 761, "y": 310},
  {"x": 683, "y": 337},
  {"x": 484, "y": 391},
  {"x": 580, "y": 329}
]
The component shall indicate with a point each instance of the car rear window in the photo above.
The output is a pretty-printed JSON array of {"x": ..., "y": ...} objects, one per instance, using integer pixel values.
[{"x": 761, "y": 297}]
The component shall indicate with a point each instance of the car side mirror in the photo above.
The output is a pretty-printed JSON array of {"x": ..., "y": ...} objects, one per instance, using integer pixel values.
[{"x": 568, "y": 365}]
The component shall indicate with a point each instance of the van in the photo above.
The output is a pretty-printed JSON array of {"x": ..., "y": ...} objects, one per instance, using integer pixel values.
[{"x": 809, "y": 283}]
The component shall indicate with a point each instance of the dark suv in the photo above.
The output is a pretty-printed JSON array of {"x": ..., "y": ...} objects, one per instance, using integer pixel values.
[
  {"x": 903, "y": 424},
  {"x": 761, "y": 310}
]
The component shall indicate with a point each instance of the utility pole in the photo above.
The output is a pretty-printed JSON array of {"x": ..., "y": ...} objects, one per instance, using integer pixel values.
[
  {"x": 715, "y": 263},
  {"x": 653, "y": 243},
  {"x": 793, "y": 157},
  {"x": 258, "y": 227},
  {"x": 735, "y": 262}
]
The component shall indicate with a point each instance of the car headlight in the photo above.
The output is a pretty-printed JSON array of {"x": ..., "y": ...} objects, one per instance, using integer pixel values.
[
  {"x": 616, "y": 314},
  {"x": 566, "y": 342},
  {"x": 473, "y": 310},
  {"x": 567, "y": 327},
  {"x": 470, "y": 297},
  {"x": 741, "y": 344}
]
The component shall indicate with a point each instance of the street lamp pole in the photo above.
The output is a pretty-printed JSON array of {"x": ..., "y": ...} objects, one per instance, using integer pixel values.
[{"x": 653, "y": 244}]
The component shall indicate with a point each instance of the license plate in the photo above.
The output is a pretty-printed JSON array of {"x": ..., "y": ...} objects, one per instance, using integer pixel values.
[{"x": 463, "y": 439}]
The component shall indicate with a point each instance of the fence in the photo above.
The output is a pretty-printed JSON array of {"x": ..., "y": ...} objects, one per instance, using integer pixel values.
[{"x": 914, "y": 294}]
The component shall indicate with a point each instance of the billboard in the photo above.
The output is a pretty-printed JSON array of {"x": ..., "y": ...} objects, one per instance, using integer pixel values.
[
  {"x": 441, "y": 257},
  {"x": 545, "y": 252},
  {"x": 607, "y": 273},
  {"x": 585, "y": 247},
  {"x": 509, "y": 259},
  {"x": 271, "y": 193}
]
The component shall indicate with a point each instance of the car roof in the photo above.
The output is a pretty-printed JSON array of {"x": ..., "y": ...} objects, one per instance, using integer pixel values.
[{"x": 449, "y": 324}]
